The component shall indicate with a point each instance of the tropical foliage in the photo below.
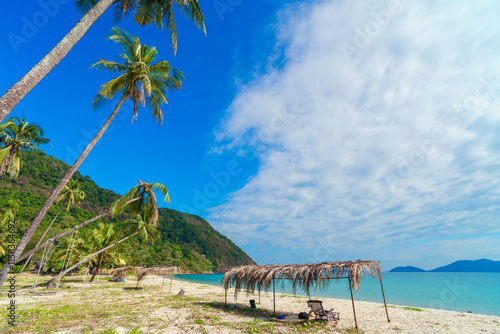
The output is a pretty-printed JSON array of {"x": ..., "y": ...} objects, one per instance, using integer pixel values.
[
  {"x": 8, "y": 212},
  {"x": 186, "y": 241},
  {"x": 157, "y": 12},
  {"x": 71, "y": 195},
  {"x": 16, "y": 136},
  {"x": 87, "y": 242},
  {"x": 138, "y": 79}
]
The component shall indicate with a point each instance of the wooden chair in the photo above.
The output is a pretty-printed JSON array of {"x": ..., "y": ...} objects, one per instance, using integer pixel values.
[{"x": 320, "y": 313}]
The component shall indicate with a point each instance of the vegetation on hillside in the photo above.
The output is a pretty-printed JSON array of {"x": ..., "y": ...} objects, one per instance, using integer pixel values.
[{"x": 186, "y": 241}]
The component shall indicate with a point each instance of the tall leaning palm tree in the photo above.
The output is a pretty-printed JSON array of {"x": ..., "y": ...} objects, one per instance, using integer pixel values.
[
  {"x": 139, "y": 80},
  {"x": 159, "y": 12},
  {"x": 17, "y": 135}
]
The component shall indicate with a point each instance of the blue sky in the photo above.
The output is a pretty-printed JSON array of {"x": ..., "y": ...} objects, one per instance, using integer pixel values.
[{"x": 304, "y": 131}]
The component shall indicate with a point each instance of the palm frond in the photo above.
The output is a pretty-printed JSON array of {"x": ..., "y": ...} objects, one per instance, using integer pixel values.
[
  {"x": 109, "y": 65},
  {"x": 127, "y": 42},
  {"x": 122, "y": 8},
  {"x": 162, "y": 190},
  {"x": 85, "y": 5},
  {"x": 161, "y": 13}
]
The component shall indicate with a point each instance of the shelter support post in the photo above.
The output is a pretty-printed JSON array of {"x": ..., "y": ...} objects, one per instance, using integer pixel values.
[
  {"x": 171, "y": 278},
  {"x": 352, "y": 299},
  {"x": 274, "y": 298},
  {"x": 225, "y": 297},
  {"x": 383, "y": 295}
]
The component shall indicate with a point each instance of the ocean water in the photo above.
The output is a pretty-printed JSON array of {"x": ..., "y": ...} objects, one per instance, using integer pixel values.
[{"x": 463, "y": 292}]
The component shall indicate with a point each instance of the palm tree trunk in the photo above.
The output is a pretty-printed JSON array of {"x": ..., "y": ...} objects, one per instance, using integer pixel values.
[
  {"x": 44, "y": 233},
  {"x": 17, "y": 92},
  {"x": 91, "y": 256},
  {"x": 98, "y": 267},
  {"x": 41, "y": 214},
  {"x": 65, "y": 233}
]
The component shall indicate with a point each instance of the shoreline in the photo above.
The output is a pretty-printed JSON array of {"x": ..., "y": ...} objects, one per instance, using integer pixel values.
[
  {"x": 94, "y": 308},
  {"x": 302, "y": 293}
]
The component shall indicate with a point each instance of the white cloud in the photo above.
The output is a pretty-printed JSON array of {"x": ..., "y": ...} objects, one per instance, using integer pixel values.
[{"x": 368, "y": 155}]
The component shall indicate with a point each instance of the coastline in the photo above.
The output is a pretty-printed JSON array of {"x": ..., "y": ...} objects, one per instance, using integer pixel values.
[
  {"x": 106, "y": 306},
  {"x": 460, "y": 292}
]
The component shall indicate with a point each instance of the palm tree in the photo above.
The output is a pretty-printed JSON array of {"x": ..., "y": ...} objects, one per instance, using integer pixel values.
[
  {"x": 71, "y": 194},
  {"x": 17, "y": 135},
  {"x": 8, "y": 212},
  {"x": 142, "y": 223},
  {"x": 139, "y": 80},
  {"x": 159, "y": 12},
  {"x": 103, "y": 236},
  {"x": 143, "y": 191},
  {"x": 74, "y": 249},
  {"x": 87, "y": 242}
]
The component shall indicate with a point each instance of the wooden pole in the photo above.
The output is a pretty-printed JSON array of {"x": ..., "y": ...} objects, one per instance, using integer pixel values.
[
  {"x": 274, "y": 298},
  {"x": 352, "y": 299},
  {"x": 383, "y": 295},
  {"x": 171, "y": 278},
  {"x": 163, "y": 282},
  {"x": 225, "y": 297}
]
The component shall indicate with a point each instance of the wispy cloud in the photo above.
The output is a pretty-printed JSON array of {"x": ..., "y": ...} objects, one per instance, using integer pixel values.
[{"x": 376, "y": 134}]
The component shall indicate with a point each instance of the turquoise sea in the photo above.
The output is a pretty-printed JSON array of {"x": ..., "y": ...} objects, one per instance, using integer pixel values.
[{"x": 475, "y": 292}]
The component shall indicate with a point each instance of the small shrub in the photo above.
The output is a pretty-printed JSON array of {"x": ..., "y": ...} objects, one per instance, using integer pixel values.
[{"x": 414, "y": 309}]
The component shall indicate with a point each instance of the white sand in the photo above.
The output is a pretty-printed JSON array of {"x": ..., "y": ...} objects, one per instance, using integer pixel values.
[
  {"x": 164, "y": 316},
  {"x": 371, "y": 317}
]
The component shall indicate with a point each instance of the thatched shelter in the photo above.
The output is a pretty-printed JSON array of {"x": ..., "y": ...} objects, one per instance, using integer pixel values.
[
  {"x": 141, "y": 272},
  {"x": 304, "y": 276}
]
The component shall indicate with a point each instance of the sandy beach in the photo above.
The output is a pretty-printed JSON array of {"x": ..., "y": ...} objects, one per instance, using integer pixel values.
[{"x": 105, "y": 307}]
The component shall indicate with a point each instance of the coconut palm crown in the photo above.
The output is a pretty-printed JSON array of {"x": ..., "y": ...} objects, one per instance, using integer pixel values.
[
  {"x": 17, "y": 135},
  {"x": 157, "y": 12},
  {"x": 147, "y": 200},
  {"x": 139, "y": 79},
  {"x": 71, "y": 194}
]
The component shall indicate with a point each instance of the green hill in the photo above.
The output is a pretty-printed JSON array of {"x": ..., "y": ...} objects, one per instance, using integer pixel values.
[{"x": 186, "y": 241}]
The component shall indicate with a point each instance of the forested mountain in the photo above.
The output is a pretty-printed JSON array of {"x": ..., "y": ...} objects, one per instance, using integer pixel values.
[{"x": 186, "y": 241}]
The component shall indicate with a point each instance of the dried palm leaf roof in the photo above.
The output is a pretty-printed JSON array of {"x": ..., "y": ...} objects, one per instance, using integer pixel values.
[
  {"x": 140, "y": 272},
  {"x": 301, "y": 275}
]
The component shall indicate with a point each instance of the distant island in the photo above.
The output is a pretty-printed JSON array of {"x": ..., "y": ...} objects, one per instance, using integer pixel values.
[
  {"x": 408, "y": 269},
  {"x": 462, "y": 266}
]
